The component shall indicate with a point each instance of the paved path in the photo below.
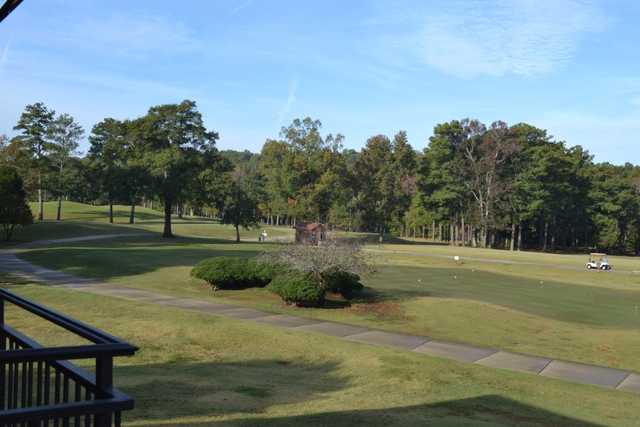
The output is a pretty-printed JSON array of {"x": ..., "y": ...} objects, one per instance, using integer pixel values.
[{"x": 569, "y": 371}]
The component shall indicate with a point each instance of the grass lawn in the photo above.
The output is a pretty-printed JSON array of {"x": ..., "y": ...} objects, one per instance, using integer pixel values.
[
  {"x": 559, "y": 310},
  {"x": 199, "y": 370}
]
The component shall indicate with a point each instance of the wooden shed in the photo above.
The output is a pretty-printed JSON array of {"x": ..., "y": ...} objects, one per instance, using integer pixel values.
[{"x": 310, "y": 233}]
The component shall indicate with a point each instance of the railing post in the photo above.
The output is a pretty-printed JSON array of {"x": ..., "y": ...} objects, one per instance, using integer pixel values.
[
  {"x": 104, "y": 383},
  {"x": 3, "y": 347}
]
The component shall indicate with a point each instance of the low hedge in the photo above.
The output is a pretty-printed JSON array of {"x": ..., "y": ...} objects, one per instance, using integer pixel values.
[
  {"x": 298, "y": 288},
  {"x": 234, "y": 272}
]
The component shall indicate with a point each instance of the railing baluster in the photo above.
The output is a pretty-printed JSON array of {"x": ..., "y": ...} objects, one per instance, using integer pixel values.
[
  {"x": 56, "y": 394},
  {"x": 87, "y": 418},
  {"x": 30, "y": 384},
  {"x": 65, "y": 397},
  {"x": 3, "y": 347},
  {"x": 47, "y": 383},
  {"x": 15, "y": 382},
  {"x": 39, "y": 383},
  {"x": 78, "y": 397},
  {"x": 23, "y": 388}
]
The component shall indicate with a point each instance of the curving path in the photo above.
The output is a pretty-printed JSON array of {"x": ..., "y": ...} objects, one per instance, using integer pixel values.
[{"x": 547, "y": 367}]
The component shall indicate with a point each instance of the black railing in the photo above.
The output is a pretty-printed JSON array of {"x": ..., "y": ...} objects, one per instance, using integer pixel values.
[{"x": 40, "y": 387}]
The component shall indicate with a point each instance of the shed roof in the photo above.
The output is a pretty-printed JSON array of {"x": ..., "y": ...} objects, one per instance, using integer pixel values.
[{"x": 309, "y": 226}]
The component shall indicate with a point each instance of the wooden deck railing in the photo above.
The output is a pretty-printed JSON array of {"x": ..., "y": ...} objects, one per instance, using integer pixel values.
[{"x": 40, "y": 387}]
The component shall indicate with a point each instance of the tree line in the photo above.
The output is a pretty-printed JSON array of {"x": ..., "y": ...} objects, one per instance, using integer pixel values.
[{"x": 500, "y": 186}]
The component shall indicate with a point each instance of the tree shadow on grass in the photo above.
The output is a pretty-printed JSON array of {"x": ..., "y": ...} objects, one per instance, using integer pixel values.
[
  {"x": 129, "y": 256},
  {"x": 164, "y": 391},
  {"x": 65, "y": 229},
  {"x": 488, "y": 410}
]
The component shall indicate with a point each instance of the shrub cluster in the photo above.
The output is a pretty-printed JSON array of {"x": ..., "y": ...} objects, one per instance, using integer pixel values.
[
  {"x": 234, "y": 272},
  {"x": 298, "y": 288},
  {"x": 293, "y": 285},
  {"x": 342, "y": 282}
]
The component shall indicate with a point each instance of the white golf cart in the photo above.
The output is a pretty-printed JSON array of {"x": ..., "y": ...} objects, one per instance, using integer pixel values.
[{"x": 598, "y": 261}]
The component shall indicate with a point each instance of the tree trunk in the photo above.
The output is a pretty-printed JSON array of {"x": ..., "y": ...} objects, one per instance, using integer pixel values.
[
  {"x": 167, "y": 219},
  {"x": 180, "y": 209},
  {"x": 59, "y": 213},
  {"x": 513, "y": 236},
  {"x": 237, "y": 233},
  {"x": 545, "y": 236},
  {"x": 132, "y": 214},
  {"x": 519, "y": 236},
  {"x": 452, "y": 235},
  {"x": 110, "y": 212},
  {"x": 40, "y": 201},
  {"x": 463, "y": 231},
  {"x": 433, "y": 230}
]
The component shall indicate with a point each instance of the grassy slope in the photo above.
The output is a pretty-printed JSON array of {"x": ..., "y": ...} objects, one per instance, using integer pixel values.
[
  {"x": 559, "y": 310},
  {"x": 477, "y": 303},
  {"x": 198, "y": 370}
]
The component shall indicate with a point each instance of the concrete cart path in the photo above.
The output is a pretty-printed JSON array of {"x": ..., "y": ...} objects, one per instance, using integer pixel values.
[{"x": 547, "y": 367}]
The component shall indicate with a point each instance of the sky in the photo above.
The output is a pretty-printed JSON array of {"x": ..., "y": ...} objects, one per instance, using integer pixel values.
[{"x": 361, "y": 67}]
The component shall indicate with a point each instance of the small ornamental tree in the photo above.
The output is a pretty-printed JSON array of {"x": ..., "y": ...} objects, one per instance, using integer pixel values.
[
  {"x": 240, "y": 205},
  {"x": 333, "y": 266},
  {"x": 14, "y": 210}
]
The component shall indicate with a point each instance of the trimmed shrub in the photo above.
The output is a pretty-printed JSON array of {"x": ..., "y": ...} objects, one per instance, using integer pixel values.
[
  {"x": 264, "y": 271},
  {"x": 234, "y": 272},
  {"x": 298, "y": 288},
  {"x": 342, "y": 282}
]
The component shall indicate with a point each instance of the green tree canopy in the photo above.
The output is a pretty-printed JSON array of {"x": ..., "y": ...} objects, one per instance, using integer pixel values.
[{"x": 14, "y": 209}]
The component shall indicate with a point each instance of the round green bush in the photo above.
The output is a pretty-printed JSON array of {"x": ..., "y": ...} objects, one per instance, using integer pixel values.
[
  {"x": 298, "y": 288},
  {"x": 234, "y": 272},
  {"x": 263, "y": 272},
  {"x": 342, "y": 282}
]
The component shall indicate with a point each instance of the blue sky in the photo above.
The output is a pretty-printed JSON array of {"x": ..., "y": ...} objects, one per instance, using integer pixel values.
[{"x": 361, "y": 67}]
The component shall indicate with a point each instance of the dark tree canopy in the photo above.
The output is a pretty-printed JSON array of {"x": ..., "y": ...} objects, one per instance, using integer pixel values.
[{"x": 14, "y": 209}]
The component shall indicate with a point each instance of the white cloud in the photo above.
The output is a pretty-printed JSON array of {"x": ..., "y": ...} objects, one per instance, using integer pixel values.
[
  {"x": 128, "y": 35},
  {"x": 291, "y": 99},
  {"x": 239, "y": 6},
  {"x": 500, "y": 37}
]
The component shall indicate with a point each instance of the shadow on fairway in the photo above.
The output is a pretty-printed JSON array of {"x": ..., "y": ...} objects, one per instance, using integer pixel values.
[
  {"x": 489, "y": 410},
  {"x": 164, "y": 391},
  {"x": 130, "y": 258},
  {"x": 62, "y": 230}
]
